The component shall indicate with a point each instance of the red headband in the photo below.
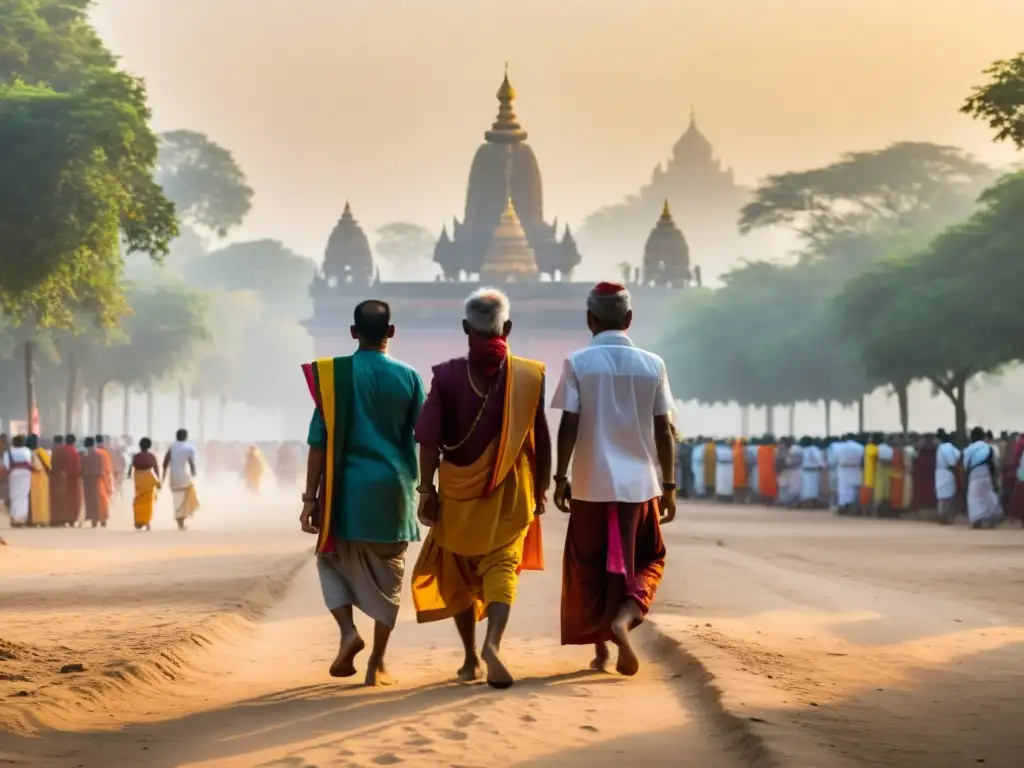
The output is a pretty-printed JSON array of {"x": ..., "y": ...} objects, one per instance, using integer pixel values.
[{"x": 608, "y": 289}]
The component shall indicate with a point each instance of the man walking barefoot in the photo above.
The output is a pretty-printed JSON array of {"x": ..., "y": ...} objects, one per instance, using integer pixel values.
[
  {"x": 616, "y": 427},
  {"x": 360, "y": 480}
]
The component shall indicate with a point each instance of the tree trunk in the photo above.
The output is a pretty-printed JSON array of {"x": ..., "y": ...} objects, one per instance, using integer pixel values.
[
  {"x": 903, "y": 398},
  {"x": 71, "y": 400},
  {"x": 182, "y": 405},
  {"x": 149, "y": 409},
  {"x": 860, "y": 414},
  {"x": 792, "y": 420},
  {"x": 201, "y": 426},
  {"x": 744, "y": 421},
  {"x": 769, "y": 420},
  {"x": 828, "y": 418},
  {"x": 126, "y": 416},
  {"x": 960, "y": 410},
  {"x": 98, "y": 419},
  {"x": 30, "y": 385},
  {"x": 955, "y": 388}
]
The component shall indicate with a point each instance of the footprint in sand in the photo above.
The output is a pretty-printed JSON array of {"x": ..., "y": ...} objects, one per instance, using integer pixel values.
[
  {"x": 590, "y": 728},
  {"x": 388, "y": 758},
  {"x": 453, "y": 735},
  {"x": 465, "y": 720},
  {"x": 528, "y": 719},
  {"x": 419, "y": 741}
]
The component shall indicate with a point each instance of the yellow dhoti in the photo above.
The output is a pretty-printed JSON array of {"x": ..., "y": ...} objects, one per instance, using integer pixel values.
[{"x": 486, "y": 531}]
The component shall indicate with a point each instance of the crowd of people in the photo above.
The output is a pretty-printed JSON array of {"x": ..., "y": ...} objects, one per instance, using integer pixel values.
[
  {"x": 876, "y": 475},
  {"x": 60, "y": 483}
]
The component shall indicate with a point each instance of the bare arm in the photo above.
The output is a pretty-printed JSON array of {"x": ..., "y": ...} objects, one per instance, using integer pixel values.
[
  {"x": 167, "y": 463},
  {"x": 542, "y": 435},
  {"x": 315, "y": 463},
  {"x": 568, "y": 428},
  {"x": 430, "y": 459},
  {"x": 666, "y": 447}
]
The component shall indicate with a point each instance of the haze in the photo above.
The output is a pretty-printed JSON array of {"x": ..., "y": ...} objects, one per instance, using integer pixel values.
[{"x": 384, "y": 102}]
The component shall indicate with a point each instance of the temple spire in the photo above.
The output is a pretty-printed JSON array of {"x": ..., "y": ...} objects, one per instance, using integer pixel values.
[
  {"x": 506, "y": 128},
  {"x": 666, "y": 213}
]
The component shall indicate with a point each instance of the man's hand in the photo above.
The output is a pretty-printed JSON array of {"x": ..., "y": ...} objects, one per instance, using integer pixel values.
[
  {"x": 563, "y": 494},
  {"x": 310, "y": 517},
  {"x": 427, "y": 511},
  {"x": 542, "y": 504},
  {"x": 668, "y": 505}
]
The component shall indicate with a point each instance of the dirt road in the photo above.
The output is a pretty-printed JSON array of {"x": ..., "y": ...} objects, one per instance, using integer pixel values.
[
  {"x": 833, "y": 641},
  {"x": 262, "y": 698}
]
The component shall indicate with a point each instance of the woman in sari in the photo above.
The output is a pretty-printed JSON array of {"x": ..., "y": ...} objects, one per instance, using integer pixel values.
[
  {"x": 253, "y": 469},
  {"x": 146, "y": 472}
]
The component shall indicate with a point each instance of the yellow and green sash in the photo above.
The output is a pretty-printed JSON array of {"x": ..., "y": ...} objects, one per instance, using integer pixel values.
[{"x": 331, "y": 384}]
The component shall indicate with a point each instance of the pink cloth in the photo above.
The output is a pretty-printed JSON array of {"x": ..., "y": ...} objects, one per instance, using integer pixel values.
[{"x": 616, "y": 560}]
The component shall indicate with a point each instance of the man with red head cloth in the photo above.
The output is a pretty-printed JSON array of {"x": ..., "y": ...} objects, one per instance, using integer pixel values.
[
  {"x": 616, "y": 428},
  {"x": 482, "y": 430}
]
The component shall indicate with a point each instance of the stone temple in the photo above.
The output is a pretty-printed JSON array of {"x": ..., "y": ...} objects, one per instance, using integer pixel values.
[{"x": 503, "y": 241}]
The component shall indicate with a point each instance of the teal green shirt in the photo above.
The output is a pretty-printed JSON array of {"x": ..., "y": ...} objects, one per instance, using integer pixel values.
[{"x": 378, "y": 489}]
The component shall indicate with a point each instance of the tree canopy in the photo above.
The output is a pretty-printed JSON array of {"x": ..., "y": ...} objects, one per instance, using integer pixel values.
[
  {"x": 208, "y": 187},
  {"x": 1000, "y": 101}
]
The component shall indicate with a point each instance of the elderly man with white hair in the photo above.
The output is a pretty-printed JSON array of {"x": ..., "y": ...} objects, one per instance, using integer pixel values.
[
  {"x": 483, "y": 432},
  {"x": 616, "y": 428}
]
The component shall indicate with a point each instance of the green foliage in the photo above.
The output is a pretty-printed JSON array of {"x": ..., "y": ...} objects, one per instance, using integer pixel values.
[
  {"x": 75, "y": 175},
  {"x": 905, "y": 186},
  {"x": 1000, "y": 101},
  {"x": 278, "y": 276},
  {"x": 208, "y": 187}
]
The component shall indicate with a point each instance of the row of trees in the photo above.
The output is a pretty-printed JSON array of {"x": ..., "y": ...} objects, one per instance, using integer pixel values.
[{"x": 910, "y": 267}]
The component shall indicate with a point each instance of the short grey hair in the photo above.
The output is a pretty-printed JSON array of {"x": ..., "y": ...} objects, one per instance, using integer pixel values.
[
  {"x": 487, "y": 311},
  {"x": 610, "y": 308}
]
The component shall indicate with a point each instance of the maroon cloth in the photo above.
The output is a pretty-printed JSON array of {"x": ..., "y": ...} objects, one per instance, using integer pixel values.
[
  {"x": 608, "y": 289},
  {"x": 591, "y": 595},
  {"x": 92, "y": 476},
  {"x": 145, "y": 460},
  {"x": 1015, "y": 507},
  {"x": 924, "y": 478}
]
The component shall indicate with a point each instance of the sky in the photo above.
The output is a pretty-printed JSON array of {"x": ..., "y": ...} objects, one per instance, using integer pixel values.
[{"x": 383, "y": 102}]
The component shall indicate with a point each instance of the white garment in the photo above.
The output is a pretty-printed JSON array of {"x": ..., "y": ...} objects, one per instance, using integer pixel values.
[
  {"x": 982, "y": 499},
  {"x": 181, "y": 473},
  {"x": 792, "y": 476},
  {"x": 813, "y": 466},
  {"x": 750, "y": 452},
  {"x": 885, "y": 453},
  {"x": 19, "y": 483},
  {"x": 617, "y": 389},
  {"x": 697, "y": 464},
  {"x": 849, "y": 471},
  {"x": 946, "y": 459},
  {"x": 724, "y": 476}
]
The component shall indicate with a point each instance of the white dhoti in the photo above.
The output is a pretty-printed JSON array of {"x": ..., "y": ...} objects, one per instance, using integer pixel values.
[
  {"x": 982, "y": 500},
  {"x": 810, "y": 484},
  {"x": 19, "y": 487},
  {"x": 186, "y": 502},
  {"x": 723, "y": 478},
  {"x": 849, "y": 480}
]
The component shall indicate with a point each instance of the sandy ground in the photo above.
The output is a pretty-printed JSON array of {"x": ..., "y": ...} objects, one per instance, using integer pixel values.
[
  {"x": 254, "y": 690},
  {"x": 881, "y": 643},
  {"x": 829, "y": 642}
]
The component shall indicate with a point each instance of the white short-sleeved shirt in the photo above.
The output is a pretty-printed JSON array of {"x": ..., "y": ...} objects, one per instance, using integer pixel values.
[
  {"x": 181, "y": 454},
  {"x": 617, "y": 389}
]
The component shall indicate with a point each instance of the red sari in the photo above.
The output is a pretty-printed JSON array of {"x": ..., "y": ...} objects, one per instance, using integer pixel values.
[{"x": 924, "y": 478}]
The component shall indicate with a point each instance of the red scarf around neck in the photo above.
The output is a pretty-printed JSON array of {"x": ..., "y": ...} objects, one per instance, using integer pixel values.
[{"x": 488, "y": 353}]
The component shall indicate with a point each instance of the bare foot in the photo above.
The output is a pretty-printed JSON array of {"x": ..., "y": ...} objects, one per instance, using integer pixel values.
[
  {"x": 498, "y": 675},
  {"x": 600, "y": 662},
  {"x": 628, "y": 663},
  {"x": 376, "y": 674},
  {"x": 469, "y": 671},
  {"x": 343, "y": 665}
]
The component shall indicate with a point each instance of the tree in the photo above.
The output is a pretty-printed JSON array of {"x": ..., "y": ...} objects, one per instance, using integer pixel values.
[
  {"x": 208, "y": 187},
  {"x": 905, "y": 186},
  {"x": 1000, "y": 101},
  {"x": 402, "y": 243},
  {"x": 276, "y": 274},
  {"x": 76, "y": 187}
]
